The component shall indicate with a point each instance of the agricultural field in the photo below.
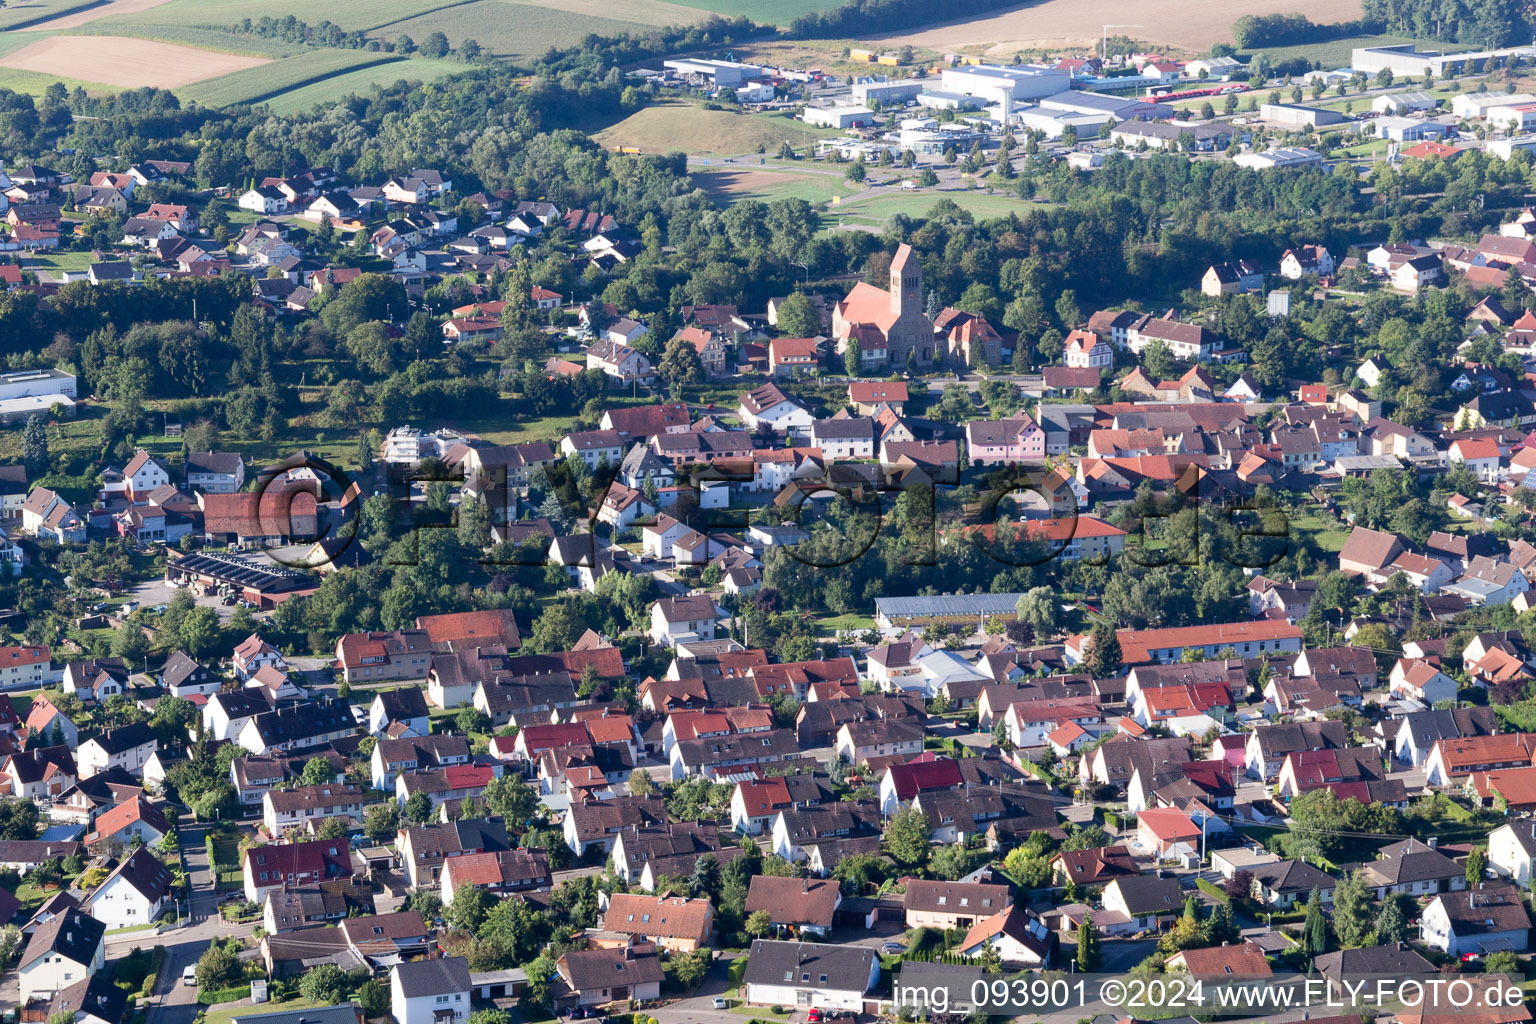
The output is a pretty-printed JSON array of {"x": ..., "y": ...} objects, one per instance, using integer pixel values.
[
  {"x": 510, "y": 28},
  {"x": 37, "y": 12},
  {"x": 678, "y": 126},
  {"x": 123, "y": 61},
  {"x": 360, "y": 82},
  {"x": 255, "y": 83},
  {"x": 91, "y": 13},
  {"x": 764, "y": 12},
  {"x": 1189, "y": 25}
]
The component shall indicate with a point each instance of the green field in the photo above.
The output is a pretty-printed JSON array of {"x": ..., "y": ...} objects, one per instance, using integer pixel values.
[
  {"x": 877, "y": 210},
  {"x": 731, "y": 184},
  {"x": 506, "y": 28},
  {"x": 251, "y": 84},
  {"x": 35, "y": 83},
  {"x": 348, "y": 14},
  {"x": 360, "y": 82},
  {"x": 1335, "y": 53},
  {"x": 16, "y": 14},
  {"x": 764, "y": 12}
]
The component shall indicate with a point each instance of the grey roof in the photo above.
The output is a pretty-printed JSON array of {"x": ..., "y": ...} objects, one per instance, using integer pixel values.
[
  {"x": 1397, "y": 959},
  {"x": 1292, "y": 876},
  {"x": 1148, "y": 894},
  {"x": 948, "y": 604},
  {"x": 125, "y": 738},
  {"x": 71, "y": 934},
  {"x": 433, "y": 977},
  {"x": 812, "y": 965}
]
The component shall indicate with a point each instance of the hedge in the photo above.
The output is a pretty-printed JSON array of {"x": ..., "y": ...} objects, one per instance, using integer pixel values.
[
  {"x": 210, "y": 997},
  {"x": 1212, "y": 891}
]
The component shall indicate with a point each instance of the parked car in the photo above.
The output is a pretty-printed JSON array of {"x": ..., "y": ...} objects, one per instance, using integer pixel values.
[
  {"x": 813, "y": 1016},
  {"x": 893, "y": 948},
  {"x": 189, "y": 976},
  {"x": 719, "y": 1002}
]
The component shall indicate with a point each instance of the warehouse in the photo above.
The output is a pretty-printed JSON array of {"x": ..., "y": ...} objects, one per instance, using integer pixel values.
[
  {"x": 887, "y": 93},
  {"x": 1278, "y": 159},
  {"x": 1291, "y": 113},
  {"x": 24, "y": 392},
  {"x": 1409, "y": 129},
  {"x": 1025, "y": 82},
  {"x": 838, "y": 117},
  {"x": 718, "y": 72},
  {"x": 1408, "y": 59}
]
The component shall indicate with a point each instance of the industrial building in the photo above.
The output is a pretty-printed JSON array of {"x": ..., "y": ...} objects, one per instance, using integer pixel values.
[
  {"x": 1506, "y": 148},
  {"x": 838, "y": 117},
  {"x": 1412, "y": 129},
  {"x": 1279, "y": 159},
  {"x": 1408, "y": 59},
  {"x": 1026, "y": 82},
  {"x": 24, "y": 392},
  {"x": 718, "y": 72},
  {"x": 886, "y": 92},
  {"x": 1291, "y": 113},
  {"x": 1477, "y": 104},
  {"x": 1520, "y": 114}
]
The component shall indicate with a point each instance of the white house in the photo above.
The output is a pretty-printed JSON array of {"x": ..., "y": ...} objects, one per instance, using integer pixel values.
[
  {"x": 1512, "y": 851},
  {"x": 264, "y": 200},
  {"x": 1476, "y": 921},
  {"x": 770, "y": 408},
  {"x": 134, "y": 893},
  {"x": 676, "y": 620},
  {"x": 1413, "y": 677},
  {"x": 128, "y": 747},
  {"x": 807, "y": 975},
  {"x": 63, "y": 951},
  {"x": 430, "y": 991}
]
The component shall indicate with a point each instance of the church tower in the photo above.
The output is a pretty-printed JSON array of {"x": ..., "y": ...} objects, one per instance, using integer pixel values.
[{"x": 906, "y": 282}]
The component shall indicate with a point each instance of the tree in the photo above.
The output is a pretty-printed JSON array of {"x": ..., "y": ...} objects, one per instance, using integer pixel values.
[
  {"x": 1390, "y": 924},
  {"x": 217, "y": 967},
  {"x": 382, "y": 822},
  {"x": 418, "y": 809},
  {"x": 10, "y": 943},
  {"x": 1477, "y": 867},
  {"x": 471, "y": 719},
  {"x": 435, "y": 46},
  {"x": 373, "y": 997},
  {"x": 641, "y": 783},
  {"x": 680, "y": 363},
  {"x": 130, "y": 643},
  {"x": 1087, "y": 946},
  {"x": 325, "y": 984},
  {"x": 908, "y": 836},
  {"x": 34, "y": 446},
  {"x": 1315, "y": 926},
  {"x": 1103, "y": 656},
  {"x": 511, "y": 799},
  {"x": 1352, "y": 909},
  {"x": 317, "y": 772},
  {"x": 1037, "y": 606},
  {"x": 469, "y": 906},
  {"x": 797, "y": 318},
  {"x": 758, "y": 923}
]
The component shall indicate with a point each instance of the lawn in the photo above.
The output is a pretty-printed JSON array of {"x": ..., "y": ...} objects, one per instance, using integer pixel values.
[
  {"x": 227, "y": 1013},
  {"x": 832, "y": 625},
  {"x": 768, "y": 184},
  {"x": 361, "y": 81},
  {"x": 685, "y": 127},
  {"x": 878, "y": 209}
]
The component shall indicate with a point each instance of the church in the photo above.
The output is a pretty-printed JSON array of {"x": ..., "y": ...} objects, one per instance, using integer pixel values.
[{"x": 888, "y": 325}]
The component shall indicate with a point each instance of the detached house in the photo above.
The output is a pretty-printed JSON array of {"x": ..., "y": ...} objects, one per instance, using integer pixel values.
[
  {"x": 62, "y": 952},
  {"x": 133, "y": 894}
]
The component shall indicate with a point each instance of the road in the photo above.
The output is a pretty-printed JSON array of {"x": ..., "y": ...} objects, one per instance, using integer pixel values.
[{"x": 172, "y": 1002}]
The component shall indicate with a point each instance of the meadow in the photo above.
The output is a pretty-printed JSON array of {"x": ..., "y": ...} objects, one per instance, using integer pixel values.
[
  {"x": 873, "y": 213},
  {"x": 1336, "y": 53},
  {"x": 767, "y": 184}
]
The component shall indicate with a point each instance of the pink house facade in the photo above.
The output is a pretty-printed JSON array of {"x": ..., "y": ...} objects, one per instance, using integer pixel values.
[{"x": 1000, "y": 442}]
